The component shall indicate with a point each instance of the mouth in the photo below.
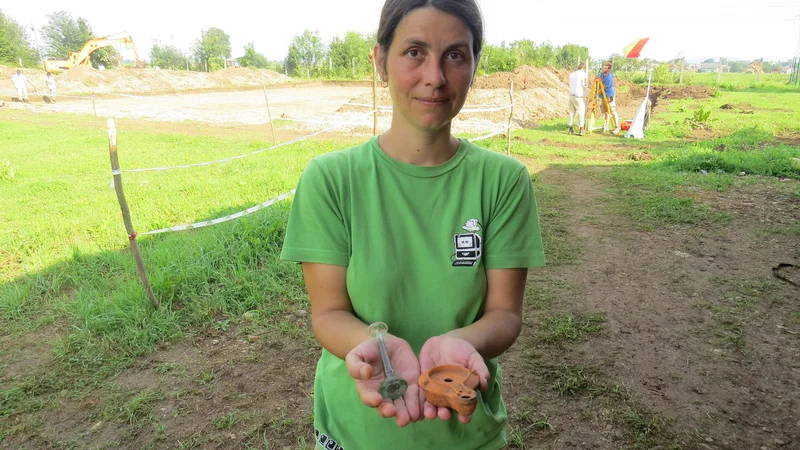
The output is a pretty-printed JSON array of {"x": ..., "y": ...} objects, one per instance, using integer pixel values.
[{"x": 433, "y": 101}]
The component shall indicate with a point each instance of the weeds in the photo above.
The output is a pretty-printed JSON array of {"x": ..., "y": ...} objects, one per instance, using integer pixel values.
[{"x": 569, "y": 328}]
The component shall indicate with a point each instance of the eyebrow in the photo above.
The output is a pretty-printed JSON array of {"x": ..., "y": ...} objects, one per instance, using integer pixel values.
[{"x": 423, "y": 44}]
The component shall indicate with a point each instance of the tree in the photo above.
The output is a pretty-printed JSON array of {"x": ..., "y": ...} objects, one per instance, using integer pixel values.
[
  {"x": 568, "y": 56},
  {"x": 213, "y": 47},
  {"x": 252, "y": 58},
  {"x": 168, "y": 57},
  {"x": 525, "y": 51},
  {"x": 738, "y": 66},
  {"x": 64, "y": 35},
  {"x": 306, "y": 52},
  {"x": 498, "y": 59},
  {"x": 709, "y": 61},
  {"x": 350, "y": 55},
  {"x": 14, "y": 43}
]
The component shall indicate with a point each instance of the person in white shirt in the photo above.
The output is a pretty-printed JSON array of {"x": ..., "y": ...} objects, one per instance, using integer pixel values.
[
  {"x": 51, "y": 86},
  {"x": 577, "y": 91},
  {"x": 20, "y": 82}
]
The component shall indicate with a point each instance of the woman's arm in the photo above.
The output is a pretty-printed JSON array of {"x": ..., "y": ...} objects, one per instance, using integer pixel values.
[
  {"x": 501, "y": 322},
  {"x": 332, "y": 318}
]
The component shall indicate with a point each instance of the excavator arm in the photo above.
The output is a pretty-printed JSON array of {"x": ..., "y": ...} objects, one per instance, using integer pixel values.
[{"x": 82, "y": 57}]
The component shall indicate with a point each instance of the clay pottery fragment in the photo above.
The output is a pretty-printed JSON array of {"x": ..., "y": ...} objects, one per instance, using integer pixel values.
[{"x": 451, "y": 386}]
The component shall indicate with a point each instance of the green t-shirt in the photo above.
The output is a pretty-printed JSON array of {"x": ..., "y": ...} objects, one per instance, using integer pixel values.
[{"x": 416, "y": 242}]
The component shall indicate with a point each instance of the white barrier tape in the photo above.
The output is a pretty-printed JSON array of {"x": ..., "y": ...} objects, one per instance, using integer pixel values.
[
  {"x": 327, "y": 121},
  {"x": 116, "y": 172},
  {"x": 208, "y": 163},
  {"x": 290, "y": 97},
  {"x": 499, "y": 108},
  {"x": 490, "y": 135},
  {"x": 219, "y": 220}
]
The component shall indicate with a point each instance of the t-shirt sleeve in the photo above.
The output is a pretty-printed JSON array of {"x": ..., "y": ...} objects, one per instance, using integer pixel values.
[
  {"x": 513, "y": 238},
  {"x": 316, "y": 231}
]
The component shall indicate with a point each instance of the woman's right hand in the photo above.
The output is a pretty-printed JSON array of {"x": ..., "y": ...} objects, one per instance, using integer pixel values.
[{"x": 365, "y": 365}]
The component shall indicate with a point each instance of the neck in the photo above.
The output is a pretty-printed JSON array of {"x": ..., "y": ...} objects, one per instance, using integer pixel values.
[{"x": 418, "y": 147}]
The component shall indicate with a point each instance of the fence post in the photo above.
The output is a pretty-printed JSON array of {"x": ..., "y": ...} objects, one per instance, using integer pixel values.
[
  {"x": 126, "y": 214},
  {"x": 93, "y": 105},
  {"x": 510, "y": 116},
  {"x": 683, "y": 61},
  {"x": 269, "y": 114},
  {"x": 719, "y": 69}
]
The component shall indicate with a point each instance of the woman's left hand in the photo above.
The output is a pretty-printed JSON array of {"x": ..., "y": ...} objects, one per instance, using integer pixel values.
[{"x": 444, "y": 349}]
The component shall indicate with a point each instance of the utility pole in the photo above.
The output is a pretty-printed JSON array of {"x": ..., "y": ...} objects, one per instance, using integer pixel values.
[{"x": 36, "y": 42}]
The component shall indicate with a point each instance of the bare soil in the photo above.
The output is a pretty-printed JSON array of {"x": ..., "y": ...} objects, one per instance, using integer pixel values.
[{"x": 699, "y": 350}]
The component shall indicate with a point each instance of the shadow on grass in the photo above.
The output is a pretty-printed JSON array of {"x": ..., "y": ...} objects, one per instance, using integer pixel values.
[{"x": 201, "y": 277}]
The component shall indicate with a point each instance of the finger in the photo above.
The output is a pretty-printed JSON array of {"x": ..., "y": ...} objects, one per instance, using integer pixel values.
[
  {"x": 411, "y": 400},
  {"x": 401, "y": 417},
  {"x": 357, "y": 367},
  {"x": 386, "y": 409},
  {"x": 464, "y": 419},
  {"x": 445, "y": 414},
  {"x": 369, "y": 396},
  {"x": 430, "y": 411}
]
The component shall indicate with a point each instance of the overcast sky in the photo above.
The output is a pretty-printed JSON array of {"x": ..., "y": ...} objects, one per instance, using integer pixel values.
[{"x": 736, "y": 29}]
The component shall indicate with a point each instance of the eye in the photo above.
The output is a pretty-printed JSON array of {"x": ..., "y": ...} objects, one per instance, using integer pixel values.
[
  {"x": 455, "y": 56},
  {"x": 414, "y": 53}
]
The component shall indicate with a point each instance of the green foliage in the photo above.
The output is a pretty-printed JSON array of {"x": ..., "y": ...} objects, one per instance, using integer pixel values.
[
  {"x": 567, "y": 56},
  {"x": 64, "y": 35},
  {"x": 213, "y": 47},
  {"x": 349, "y": 56},
  {"x": 499, "y": 59},
  {"x": 700, "y": 118},
  {"x": 168, "y": 57},
  {"x": 252, "y": 58},
  {"x": 773, "y": 161},
  {"x": 306, "y": 54},
  {"x": 14, "y": 44},
  {"x": 663, "y": 75}
]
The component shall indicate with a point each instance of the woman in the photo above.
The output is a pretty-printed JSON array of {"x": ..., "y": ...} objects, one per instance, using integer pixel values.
[{"x": 418, "y": 229}]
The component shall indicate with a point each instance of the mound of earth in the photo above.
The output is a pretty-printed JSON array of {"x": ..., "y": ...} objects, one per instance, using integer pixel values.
[
  {"x": 525, "y": 77},
  {"x": 84, "y": 79},
  {"x": 539, "y": 94}
]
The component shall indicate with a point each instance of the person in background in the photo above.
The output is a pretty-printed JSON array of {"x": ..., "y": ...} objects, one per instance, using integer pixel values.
[
  {"x": 51, "y": 86},
  {"x": 608, "y": 86},
  {"x": 423, "y": 231},
  {"x": 20, "y": 83},
  {"x": 577, "y": 91}
]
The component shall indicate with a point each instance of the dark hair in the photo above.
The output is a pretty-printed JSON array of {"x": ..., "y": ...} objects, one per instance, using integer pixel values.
[
  {"x": 466, "y": 10},
  {"x": 608, "y": 63}
]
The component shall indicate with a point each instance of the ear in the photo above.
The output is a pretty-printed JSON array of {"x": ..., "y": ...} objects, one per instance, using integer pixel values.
[{"x": 380, "y": 62}]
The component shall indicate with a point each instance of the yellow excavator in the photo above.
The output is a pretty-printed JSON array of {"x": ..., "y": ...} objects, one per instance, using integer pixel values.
[{"x": 81, "y": 58}]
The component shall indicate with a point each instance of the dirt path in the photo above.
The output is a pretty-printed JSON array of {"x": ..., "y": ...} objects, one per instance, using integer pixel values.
[{"x": 698, "y": 348}]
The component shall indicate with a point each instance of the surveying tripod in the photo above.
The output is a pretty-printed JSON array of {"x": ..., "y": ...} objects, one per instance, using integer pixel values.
[{"x": 597, "y": 91}]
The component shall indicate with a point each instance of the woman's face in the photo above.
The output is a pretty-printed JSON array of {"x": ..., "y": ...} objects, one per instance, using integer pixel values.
[{"x": 429, "y": 68}]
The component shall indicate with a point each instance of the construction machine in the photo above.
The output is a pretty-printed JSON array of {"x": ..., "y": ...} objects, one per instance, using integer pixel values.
[{"x": 82, "y": 57}]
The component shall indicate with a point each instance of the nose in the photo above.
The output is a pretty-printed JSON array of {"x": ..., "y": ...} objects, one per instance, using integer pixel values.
[{"x": 434, "y": 73}]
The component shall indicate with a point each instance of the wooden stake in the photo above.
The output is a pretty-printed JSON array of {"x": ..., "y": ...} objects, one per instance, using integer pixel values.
[
  {"x": 760, "y": 69},
  {"x": 93, "y": 105},
  {"x": 374, "y": 98},
  {"x": 683, "y": 60},
  {"x": 510, "y": 116},
  {"x": 719, "y": 69},
  {"x": 126, "y": 214},
  {"x": 269, "y": 114}
]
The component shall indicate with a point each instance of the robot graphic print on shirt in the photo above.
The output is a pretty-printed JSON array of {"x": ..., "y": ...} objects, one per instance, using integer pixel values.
[{"x": 468, "y": 246}]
